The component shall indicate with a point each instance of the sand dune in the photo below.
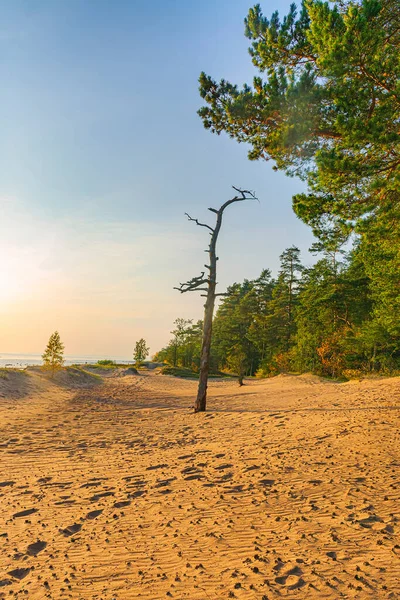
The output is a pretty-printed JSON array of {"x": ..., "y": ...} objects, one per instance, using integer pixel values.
[{"x": 288, "y": 487}]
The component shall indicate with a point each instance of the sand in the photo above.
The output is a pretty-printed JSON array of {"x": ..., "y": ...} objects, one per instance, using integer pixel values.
[{"x": 286, "y": 488}]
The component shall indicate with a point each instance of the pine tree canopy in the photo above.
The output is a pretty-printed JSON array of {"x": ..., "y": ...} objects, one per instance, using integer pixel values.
[{"x": 326, "y": 106}]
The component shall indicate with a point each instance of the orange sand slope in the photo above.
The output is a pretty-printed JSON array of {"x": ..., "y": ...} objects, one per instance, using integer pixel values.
[{"x": 287, "y": 487}]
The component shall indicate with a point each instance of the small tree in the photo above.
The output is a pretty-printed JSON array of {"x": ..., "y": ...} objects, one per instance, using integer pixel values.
[
  {"x": 179, "y": 333},
  {"x": 141, "y": 352},
  {"x": 53, "y": 356},
  {"x": 237, "y": 361}
]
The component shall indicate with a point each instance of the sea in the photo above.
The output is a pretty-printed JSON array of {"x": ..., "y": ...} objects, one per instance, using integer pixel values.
[{"x": 20, "y": 361}]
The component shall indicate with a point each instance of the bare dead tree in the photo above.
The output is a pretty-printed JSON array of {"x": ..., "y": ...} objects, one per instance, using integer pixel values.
[{"x": 207, "y": 283}]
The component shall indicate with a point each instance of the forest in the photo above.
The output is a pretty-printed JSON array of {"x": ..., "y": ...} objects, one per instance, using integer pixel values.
[{"x": 326, "y": 109}]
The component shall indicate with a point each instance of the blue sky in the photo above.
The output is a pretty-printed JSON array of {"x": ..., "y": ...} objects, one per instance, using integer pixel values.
[{"x": 102, "y": 152}]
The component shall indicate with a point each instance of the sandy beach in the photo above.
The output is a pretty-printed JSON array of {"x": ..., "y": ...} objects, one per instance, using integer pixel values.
[{"x": 114, "y": 489}]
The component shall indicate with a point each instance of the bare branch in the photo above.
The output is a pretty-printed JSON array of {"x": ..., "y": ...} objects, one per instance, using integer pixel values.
[
  {"x": 198, "y": 223},
  {"x": 196, "y": 289},
  {"x": 193, "y": 285},
  {"x": 245, "y": 193}
]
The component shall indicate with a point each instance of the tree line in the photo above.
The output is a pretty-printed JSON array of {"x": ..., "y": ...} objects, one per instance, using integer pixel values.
[{"x": 328, "y": 319}]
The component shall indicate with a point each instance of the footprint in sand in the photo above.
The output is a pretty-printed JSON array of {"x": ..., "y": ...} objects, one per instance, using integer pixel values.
[
  {"x": 136, "y": 484},
  {"x": 163, "y": 482},
  {"x": 93, "y": 514},
  {"x": 267, "y": 482},
  {"x": 251, "y": 468},
  {"x": 36, "y": 547},
  {"x": 65, "y": 502},
  {"x": 25, "y": 513},
  {"x": 91, "y": 484},
  {"x": 154, "y": 467},
  {"x": 137, "y": 494},
  {"x": 292, "y": 579},
  {"x": 225, "y": 477},
  {"x": 19, "y": 573},
  {"x": 101, "y": 495},
  {"x": 122, "y": 504},
  {"x": 235, "y": 489},
  {"x": 71, "y": 529},
  {"x": 197, "y": 476},
  {"x": 192, "y": 473},
  {"x": 188, "y": 470}
]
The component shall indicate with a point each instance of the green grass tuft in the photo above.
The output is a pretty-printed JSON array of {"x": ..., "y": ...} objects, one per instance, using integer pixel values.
[
  {"x": 76, "y": 371},
  {"x": 107, "y": 362},
  {"x": 188, "y": 373},
  {"x": 5, "y": 372},
  {"x": 179, "y": 372}
]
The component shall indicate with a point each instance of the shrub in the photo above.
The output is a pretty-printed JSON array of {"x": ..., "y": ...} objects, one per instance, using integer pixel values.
[
  {"x": 178, "y": 372},
  {"x": 3, "y": 373}
]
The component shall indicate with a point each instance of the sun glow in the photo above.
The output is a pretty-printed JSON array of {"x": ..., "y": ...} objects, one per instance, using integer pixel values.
[
  {"x": 21, "y": 275},
  {"x": 15, "y": 280}
]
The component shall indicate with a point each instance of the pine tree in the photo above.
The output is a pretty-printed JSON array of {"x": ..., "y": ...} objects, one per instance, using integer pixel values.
[
  {"x": 326, "y": 105},
  {"x": 141, "y": 352},
  {"x": 258, "y": 332},
  {"x": 281, "y": 322},
  {"x": 334, "y": 303},
  {"x": 53, "y": 356},
  {"x": 232, "y": 344}
]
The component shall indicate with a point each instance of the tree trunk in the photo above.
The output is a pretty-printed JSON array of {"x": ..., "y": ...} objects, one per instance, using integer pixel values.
[
  {"x": 201, "y": 399},
  {"x": 211, "y": 282},
  {"x": 289, "y": 330}
]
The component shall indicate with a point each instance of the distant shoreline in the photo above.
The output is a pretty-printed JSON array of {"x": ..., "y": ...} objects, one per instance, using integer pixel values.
[{"x": 20, "y": 361}]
